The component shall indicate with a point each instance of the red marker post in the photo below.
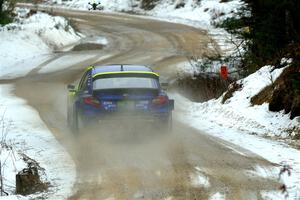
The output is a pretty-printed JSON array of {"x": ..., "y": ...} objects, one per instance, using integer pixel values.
[{"x": 224, "y": 71}]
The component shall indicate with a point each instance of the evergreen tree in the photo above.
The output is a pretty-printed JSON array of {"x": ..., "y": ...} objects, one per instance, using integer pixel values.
[
  {"x": 272, "y": 26},
  {"x": 6, "y": 11}
]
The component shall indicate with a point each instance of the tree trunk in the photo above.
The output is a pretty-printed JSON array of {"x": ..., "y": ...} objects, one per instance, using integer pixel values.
[{"x": 1, "y": 6}]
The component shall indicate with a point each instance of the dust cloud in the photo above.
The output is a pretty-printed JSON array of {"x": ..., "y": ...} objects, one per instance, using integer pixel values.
[{"x": 124, "y": 161}]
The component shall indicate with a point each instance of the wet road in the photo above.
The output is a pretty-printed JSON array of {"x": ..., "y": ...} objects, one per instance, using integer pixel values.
[{"x": 186, "y": 164}]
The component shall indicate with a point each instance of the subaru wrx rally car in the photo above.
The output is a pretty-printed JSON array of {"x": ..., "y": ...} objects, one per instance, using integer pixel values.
[{"x": 119, "y": 92}]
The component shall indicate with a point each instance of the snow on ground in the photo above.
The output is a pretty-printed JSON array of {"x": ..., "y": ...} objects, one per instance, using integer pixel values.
[
  {"x": 29, "y": 135},
  {"x": 199, "y": 179},
  {"x": 64, "y": 62},
  {"x": 217, "y": 196},
  {"x": 238, "y": 113},
  {"x": 97, "y": 40},
  {"x": 238, "y": 122},
  {"x": 29, "y": 41},
  {"x": 201, "y": 15},
  {"x": 23, "y": 46},
  {"x": 67, "y": 61},
  {"x": 11, "y": 164}
]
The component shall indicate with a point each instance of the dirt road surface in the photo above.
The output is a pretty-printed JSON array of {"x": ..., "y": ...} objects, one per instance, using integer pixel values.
[{"x": 185, "y": 164}]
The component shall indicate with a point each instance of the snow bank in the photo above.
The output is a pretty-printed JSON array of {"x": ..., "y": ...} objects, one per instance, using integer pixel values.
[
  {"x": 23, "y": 46},
  {"x": 29, "y": 135},
  {"x": 26, "y": 43},
  {"x": 11, "y": 163},
  {"x": 108, "y": 5},
  {"x": 200, "y": 13},
  {"x": 238, "y": 113},
  {"x": 217, "y": 196},
  {"x": 199, "y": 179}
]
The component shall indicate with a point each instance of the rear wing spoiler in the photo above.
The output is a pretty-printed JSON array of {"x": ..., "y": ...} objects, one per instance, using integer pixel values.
[{"x": 126, "y": 73}]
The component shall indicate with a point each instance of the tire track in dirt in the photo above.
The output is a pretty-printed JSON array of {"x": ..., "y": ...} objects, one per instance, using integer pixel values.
[{"x": 155, "y": 167}]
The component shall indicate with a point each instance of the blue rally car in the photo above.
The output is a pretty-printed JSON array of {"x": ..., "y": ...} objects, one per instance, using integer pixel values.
[{"x": 119, "y": 92}]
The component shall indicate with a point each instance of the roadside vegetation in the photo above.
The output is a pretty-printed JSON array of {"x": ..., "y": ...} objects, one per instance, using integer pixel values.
[
  {"x": 269, "y": 32},
  {"x": 19, "y": 174},
  {"x": 263, "y": 33},
  {"x": 6, "y": 11}
]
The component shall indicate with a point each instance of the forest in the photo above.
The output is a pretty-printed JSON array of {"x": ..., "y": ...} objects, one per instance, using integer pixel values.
[{"x": 270, "y": 31}]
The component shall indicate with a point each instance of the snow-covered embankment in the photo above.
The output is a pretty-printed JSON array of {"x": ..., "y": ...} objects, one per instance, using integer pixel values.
[
  {"x": 30, "y": 41},
  {"x": 25, "y": 133},
  {"x": 25, "y": 44}
]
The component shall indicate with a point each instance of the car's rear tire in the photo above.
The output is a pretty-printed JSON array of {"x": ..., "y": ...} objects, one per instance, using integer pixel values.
[
  {"x": 169, "y": 128},
  {"x": 72, "y": 120},
  {"x": 78, "y": 124},
  {"x": 166, "y": 125}
]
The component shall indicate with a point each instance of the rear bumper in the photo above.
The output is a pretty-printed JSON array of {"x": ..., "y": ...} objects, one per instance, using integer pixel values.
[
  {"x": 128, "y": 116},
  {"x": 124, "y": 118},
  {"x": 124, "y": 122}
]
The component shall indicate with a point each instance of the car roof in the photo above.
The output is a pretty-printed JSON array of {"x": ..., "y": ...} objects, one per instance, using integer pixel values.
[{"x": 120, "y": 68}]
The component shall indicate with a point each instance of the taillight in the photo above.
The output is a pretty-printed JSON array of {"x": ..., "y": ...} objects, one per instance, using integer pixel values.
[
  {"x": 160, "y": 100},
  {"x": 92, "y": 101}
]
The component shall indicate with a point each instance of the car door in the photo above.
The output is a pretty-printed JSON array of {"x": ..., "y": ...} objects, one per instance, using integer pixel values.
[{"x": 84, "y": 88}]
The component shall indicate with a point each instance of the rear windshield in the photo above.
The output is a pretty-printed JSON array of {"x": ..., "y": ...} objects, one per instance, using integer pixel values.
[{"x": 125, "y": 83}]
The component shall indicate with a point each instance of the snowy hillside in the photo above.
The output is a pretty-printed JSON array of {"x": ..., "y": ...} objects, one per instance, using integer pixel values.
[
  {"x": 203, "y": 13},
  {"x": 23, "y": 133},
  {"x": 31, "y": 40},
  {"x": 237, "y": 112}
]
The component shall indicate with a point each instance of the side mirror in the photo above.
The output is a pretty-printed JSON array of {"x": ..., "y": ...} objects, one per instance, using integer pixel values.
[
  {"x": 71, "y": 88},
  {"x": 164, "y": 86}
]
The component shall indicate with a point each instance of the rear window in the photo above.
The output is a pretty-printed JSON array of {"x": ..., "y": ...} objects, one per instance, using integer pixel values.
[{"x": 125, "y": 83}]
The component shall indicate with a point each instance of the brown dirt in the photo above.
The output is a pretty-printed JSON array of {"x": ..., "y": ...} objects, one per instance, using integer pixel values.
[
  {"x": 201, "y": 88},
  {"x": 283, "y": 94},
  {"x": 87, "y": 46},
  {"x": 233, "y": 87},
  {"x": 264, "y": 96}
]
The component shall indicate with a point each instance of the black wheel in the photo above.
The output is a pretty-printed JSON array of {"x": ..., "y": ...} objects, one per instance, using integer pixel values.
[
  {"x": 170, "y": 124},
  {"x": 72, "y": 120},
  {"x": 79, "y": 123},
  {"x": 74, "y": 124},
  {"x": 167, "y": 124},
  {"x": 69, "y": 119}
]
